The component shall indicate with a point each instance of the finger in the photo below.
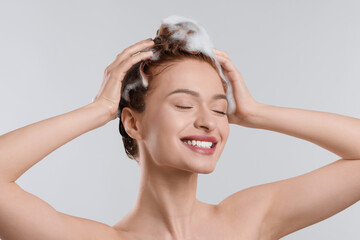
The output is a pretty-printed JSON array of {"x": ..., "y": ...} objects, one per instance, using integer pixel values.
[
  {"x": 232, "y": 74},
  {"x": 226, "y": 63},
  {"x": 128, "y": 52},
  {"x": 122, "y": 68},
  {"x": 221, "y": 53},
  {"x": 222, "y": 56},
  {"x": 137, "y": 47},
  {"x": 239, "y": 87},
  {"x": 113, "y": 81}
]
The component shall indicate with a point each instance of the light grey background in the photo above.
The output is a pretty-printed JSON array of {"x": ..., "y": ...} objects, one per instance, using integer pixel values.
[{"x": 300, "y": 54}]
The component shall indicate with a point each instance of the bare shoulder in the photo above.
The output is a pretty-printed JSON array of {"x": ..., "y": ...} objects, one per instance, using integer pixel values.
[
  {"x": 247, "y": 210},
  {"x": 26, "y": 216},
  {"x": 90, "y": 229},
  {"x": 306, "y": 199},
  {"x": 274, "y": 210}
]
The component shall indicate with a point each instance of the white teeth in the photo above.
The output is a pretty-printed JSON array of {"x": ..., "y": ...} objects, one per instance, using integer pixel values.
[{"x": 202, "y": 144}]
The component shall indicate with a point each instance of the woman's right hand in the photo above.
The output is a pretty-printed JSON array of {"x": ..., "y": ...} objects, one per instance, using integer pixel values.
[{"x": 109, "y": 94}]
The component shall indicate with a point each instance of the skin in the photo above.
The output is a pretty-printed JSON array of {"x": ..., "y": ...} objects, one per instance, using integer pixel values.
[{"x": 167, "y": 207}]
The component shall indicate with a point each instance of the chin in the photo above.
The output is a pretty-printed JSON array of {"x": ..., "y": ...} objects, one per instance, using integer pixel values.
[
  {"x": 207, "y": 168},
  {"x": 202, "y": 166},
  {"x": 206, "y": 171}
]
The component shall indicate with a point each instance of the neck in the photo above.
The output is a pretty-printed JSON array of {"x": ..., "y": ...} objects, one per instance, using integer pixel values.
[{"x": 166, "y": 201}]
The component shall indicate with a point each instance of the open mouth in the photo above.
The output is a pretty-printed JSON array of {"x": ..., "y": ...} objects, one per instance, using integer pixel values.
[
  {"x": 201, "y": 147},
  {"x": 199, "y": 144}
]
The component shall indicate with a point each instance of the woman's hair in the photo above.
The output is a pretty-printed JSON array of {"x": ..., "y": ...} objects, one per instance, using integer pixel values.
[{"x": 168, "y": 51}]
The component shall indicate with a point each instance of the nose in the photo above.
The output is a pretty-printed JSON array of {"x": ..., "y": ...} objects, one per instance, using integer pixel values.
[{"x": 205, "y": 119}]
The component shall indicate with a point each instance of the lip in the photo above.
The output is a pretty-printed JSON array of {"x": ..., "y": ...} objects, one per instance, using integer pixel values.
[{"x": 201, "y": 138}]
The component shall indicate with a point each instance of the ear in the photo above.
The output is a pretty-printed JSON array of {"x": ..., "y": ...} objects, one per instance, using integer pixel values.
[{"x": 131, "y": 123}]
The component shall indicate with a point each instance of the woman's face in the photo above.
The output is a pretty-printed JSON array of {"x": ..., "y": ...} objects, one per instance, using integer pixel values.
[{"x": 165, "y": 120}]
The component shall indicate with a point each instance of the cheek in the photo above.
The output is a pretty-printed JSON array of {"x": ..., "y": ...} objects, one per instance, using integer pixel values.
[
  {"x": 165, "y": 128},
  {"x": 224, "y": 129}
]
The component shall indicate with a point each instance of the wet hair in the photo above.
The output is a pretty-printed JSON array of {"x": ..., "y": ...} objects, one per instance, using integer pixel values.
[{"x": 167, "y": 51}]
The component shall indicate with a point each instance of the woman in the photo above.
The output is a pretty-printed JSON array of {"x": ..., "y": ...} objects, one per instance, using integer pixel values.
[{"x": 167, "y": 100}]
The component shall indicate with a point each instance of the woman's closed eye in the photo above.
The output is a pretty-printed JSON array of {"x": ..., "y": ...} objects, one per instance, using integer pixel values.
[{"x": 184, "y": 107}]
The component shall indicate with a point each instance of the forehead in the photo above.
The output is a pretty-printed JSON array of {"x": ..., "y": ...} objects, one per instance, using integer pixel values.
[{"x": 190, "y": 73}]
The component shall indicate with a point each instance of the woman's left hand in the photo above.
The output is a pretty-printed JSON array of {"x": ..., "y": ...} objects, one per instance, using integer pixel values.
[{"x": 246, "y": 105}]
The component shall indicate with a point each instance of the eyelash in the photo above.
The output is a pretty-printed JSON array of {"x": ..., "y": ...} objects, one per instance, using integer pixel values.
[{"x": 190, "y": 107}]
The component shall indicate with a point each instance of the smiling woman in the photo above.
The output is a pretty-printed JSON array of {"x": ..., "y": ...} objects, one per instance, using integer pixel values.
[
  {"x": 168, "y": 53},
  {"x": 175, "y": 104}
]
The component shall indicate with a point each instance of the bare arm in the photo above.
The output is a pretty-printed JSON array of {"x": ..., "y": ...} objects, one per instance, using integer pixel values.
[
  {"x": 22, "y": 214},
  {"x": 289, "y": 205},
  {"x": 285, "y": 206},
  {"x": 24, "y": 147},
  {"x": 306, "y": 199},
  {"x": 334, "y": 132}
]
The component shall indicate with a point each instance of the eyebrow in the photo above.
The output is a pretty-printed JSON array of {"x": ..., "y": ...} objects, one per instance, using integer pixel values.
[{"x": 196, "y": 94}]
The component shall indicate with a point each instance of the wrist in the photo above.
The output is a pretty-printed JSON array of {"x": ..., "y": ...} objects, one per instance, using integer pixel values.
[
  {"x": 254, "y": 117},
  {"x": 102, "y": 112}
]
